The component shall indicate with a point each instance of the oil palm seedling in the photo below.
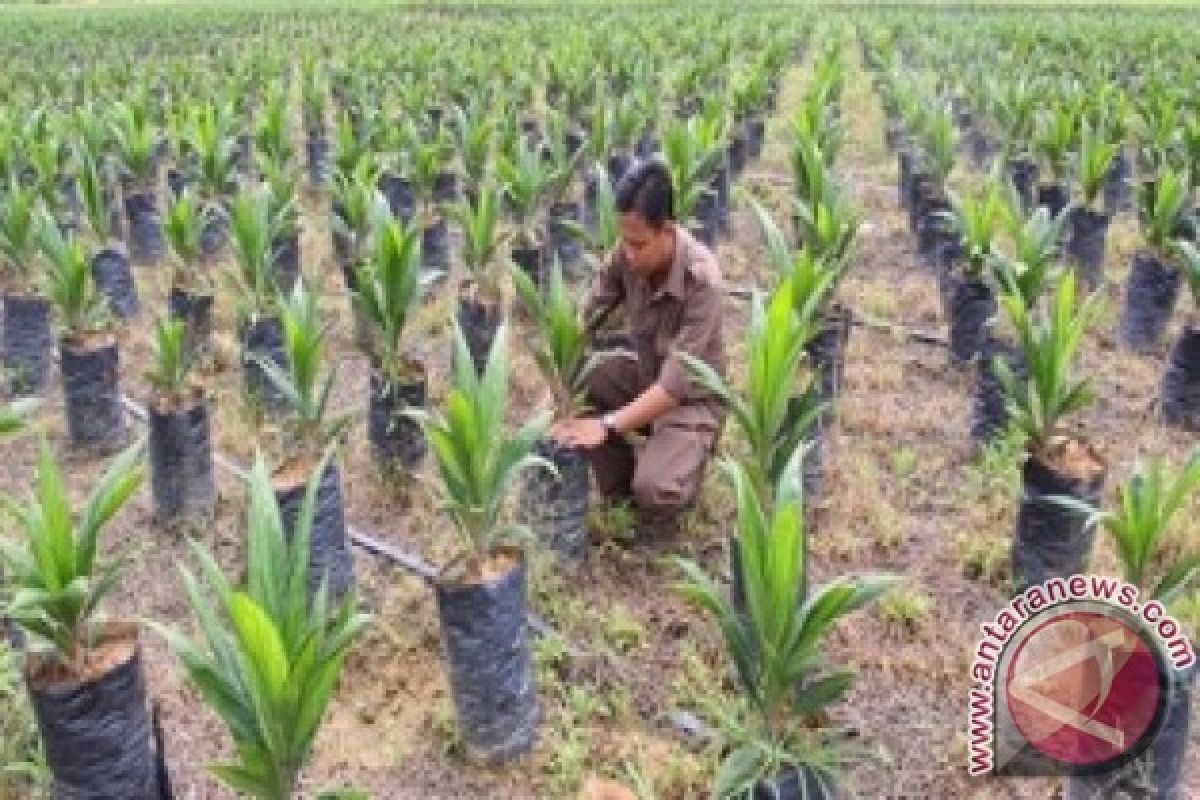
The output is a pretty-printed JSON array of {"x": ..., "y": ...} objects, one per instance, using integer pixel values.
[
  {"x": 1023, "y": 273},
  {"x": 1049, "y": 540},
  {"x": 1179, "y": 396},
  {"x": 1163, "y": 567},
  {"x": 109, "y": 257},
  {"x": 1029, "y": 269},
  {"x": 87, "y": 347},
  {"x": 475, "y": 128},
  {"x": 526, "y": 178},
  {"x": 27, "y": 336},
  {"x": 1056, "y": 134},
  {"x": 215, "y": 147},
  {"x": 308, "y": 429},
  {"x": 388, "y": 287},
  {"x": 46, "y": 155},
  {"x": 480, "y": 304},
  {"x": 253, "y": 279},
  {"x": 83, "y": 669},
  {"x": 358, "y": 206},
  {"x": 425, "y": 161},
  {"x": 1155, "y": 277},
  {"x": 1016, "y": 113},
  {"x": 1088, "y": 239},
  {"x": 812, "y": 277},
  {"x": 556, "y": 506},
  {"x": 561, "y": 210},
  {"x": 689, "y": 163},
  {"x": 1118, "y": 116},
  {"x": 137, "y": 144},
  {"x": 269, "y": 654},
  {"x": 928, "y": 198},
  {"x": 827, "y": 224},
  {"x": 282, "y": 185},
  {"x": 192, "y": 293},
  {"x": 315, "y": 95},
  {"x": 775, "y": 643},
  {"x": 272, "y": 138},
  {"x": 180, "y": 444},
  {"x": 777, "y": 408},
  {"x": 481, "y": 592},
  {"x": 967, "y": 297}
]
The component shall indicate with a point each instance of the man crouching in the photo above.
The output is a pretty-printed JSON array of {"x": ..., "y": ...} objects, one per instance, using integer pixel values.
[{"x": 670, "y": 286}]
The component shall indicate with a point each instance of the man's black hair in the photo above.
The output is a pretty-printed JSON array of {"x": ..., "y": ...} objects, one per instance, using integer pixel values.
[{"x": 646, "y": 189}]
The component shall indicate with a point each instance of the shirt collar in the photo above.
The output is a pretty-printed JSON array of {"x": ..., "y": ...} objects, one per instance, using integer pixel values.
[{"x": 673, "y": 285}]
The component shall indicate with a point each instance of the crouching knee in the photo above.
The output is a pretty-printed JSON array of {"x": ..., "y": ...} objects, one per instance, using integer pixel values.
[{"x": 653, "y": 494}]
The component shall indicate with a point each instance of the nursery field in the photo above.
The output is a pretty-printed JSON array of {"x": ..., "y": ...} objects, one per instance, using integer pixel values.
[{"x": 350, "y": 247}]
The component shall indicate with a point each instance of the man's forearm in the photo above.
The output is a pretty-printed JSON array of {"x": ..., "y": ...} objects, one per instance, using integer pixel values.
[{"x": 645, "y": 408}]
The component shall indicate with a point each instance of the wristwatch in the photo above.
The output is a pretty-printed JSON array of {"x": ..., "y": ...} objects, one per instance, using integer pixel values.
[{"x": 610, "y": 422}]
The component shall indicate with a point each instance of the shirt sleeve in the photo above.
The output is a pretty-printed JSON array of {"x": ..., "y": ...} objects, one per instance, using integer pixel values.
[
  {"x": 699, "y": 333},
  {"x": 608, "y": 290}
]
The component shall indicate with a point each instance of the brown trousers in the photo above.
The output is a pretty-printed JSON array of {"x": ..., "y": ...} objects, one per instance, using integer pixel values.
[{"x": 664, "y": 472}]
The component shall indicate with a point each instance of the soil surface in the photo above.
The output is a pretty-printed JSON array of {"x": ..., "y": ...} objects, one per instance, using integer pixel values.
[{"x": 905, "y": 492}]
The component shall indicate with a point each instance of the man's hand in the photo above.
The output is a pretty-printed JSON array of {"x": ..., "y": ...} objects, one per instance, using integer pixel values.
[{"x": 585, "y": 432}]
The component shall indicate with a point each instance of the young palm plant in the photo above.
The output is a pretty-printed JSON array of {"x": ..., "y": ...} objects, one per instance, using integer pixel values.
[
  {"x": 137, "y": 143},
  {"x": 307, "y": 431},
  {"x": 253, "y": 279},
  {"x": 1154, "y": 280},
  {"x": 283, "y": 183},
  {"x": 271, "y": 653},
  {"x": 1029, "y": 270},
  {"x": 689, "y": 163},
  {"x": 388, "y": 287},
  {"x": 191, "y": 295},
  {"x": 56, "y": 581},
  {"x": 1179, "y": 402},
  {"x": 181, "y": 473},
  {"x": 556, "y": 507},
  {"x": 777, "y": 407},
  {"x": 481, "y": 592},
  {"x": 109, "y": 257},
  {"x": 775, "y": 643},
  {"x": 480, "y": 309},
  {"x": 827, "y": 224},
  {"x": 1048, "y": 540},
  {"x": 967, "y": 297},
  {"x": 27, "y": 336},
  {"x": 1088, "y": 222},
  {"x": 526, "y": 178},
  {"x": 87, "y": 347}
]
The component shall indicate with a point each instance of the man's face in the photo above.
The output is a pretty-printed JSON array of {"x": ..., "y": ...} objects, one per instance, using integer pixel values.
[{"x": 647, "y": 249}]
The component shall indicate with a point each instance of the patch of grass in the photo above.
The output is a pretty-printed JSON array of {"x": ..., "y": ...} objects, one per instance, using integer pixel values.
[
  {"x": 23, "y": 771},
  {"x": 984, "y": 556},
  {"x": 996, "y": 473},
  {"x": 623, "y": 631},
  {"x": 561, "y": 605},
  {"x": 905, "y": 608},
  {"x": 570, "y": 758},
  {"x": 701, "y": 682},
  {"x": 619, "y": 702},
  {"x": 443, "y": 723},
  {"x": 612, "y": 521},
  {"x": 904, "y": 463},
  {"x": 549, "y": 656}
]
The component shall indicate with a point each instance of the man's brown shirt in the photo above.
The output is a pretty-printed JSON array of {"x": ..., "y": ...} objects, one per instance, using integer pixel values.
[{"x": 682, "y": 315}]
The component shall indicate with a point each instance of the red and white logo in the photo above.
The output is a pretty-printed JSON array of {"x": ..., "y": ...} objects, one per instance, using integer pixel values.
[{"x": 1084, "y": 688}]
